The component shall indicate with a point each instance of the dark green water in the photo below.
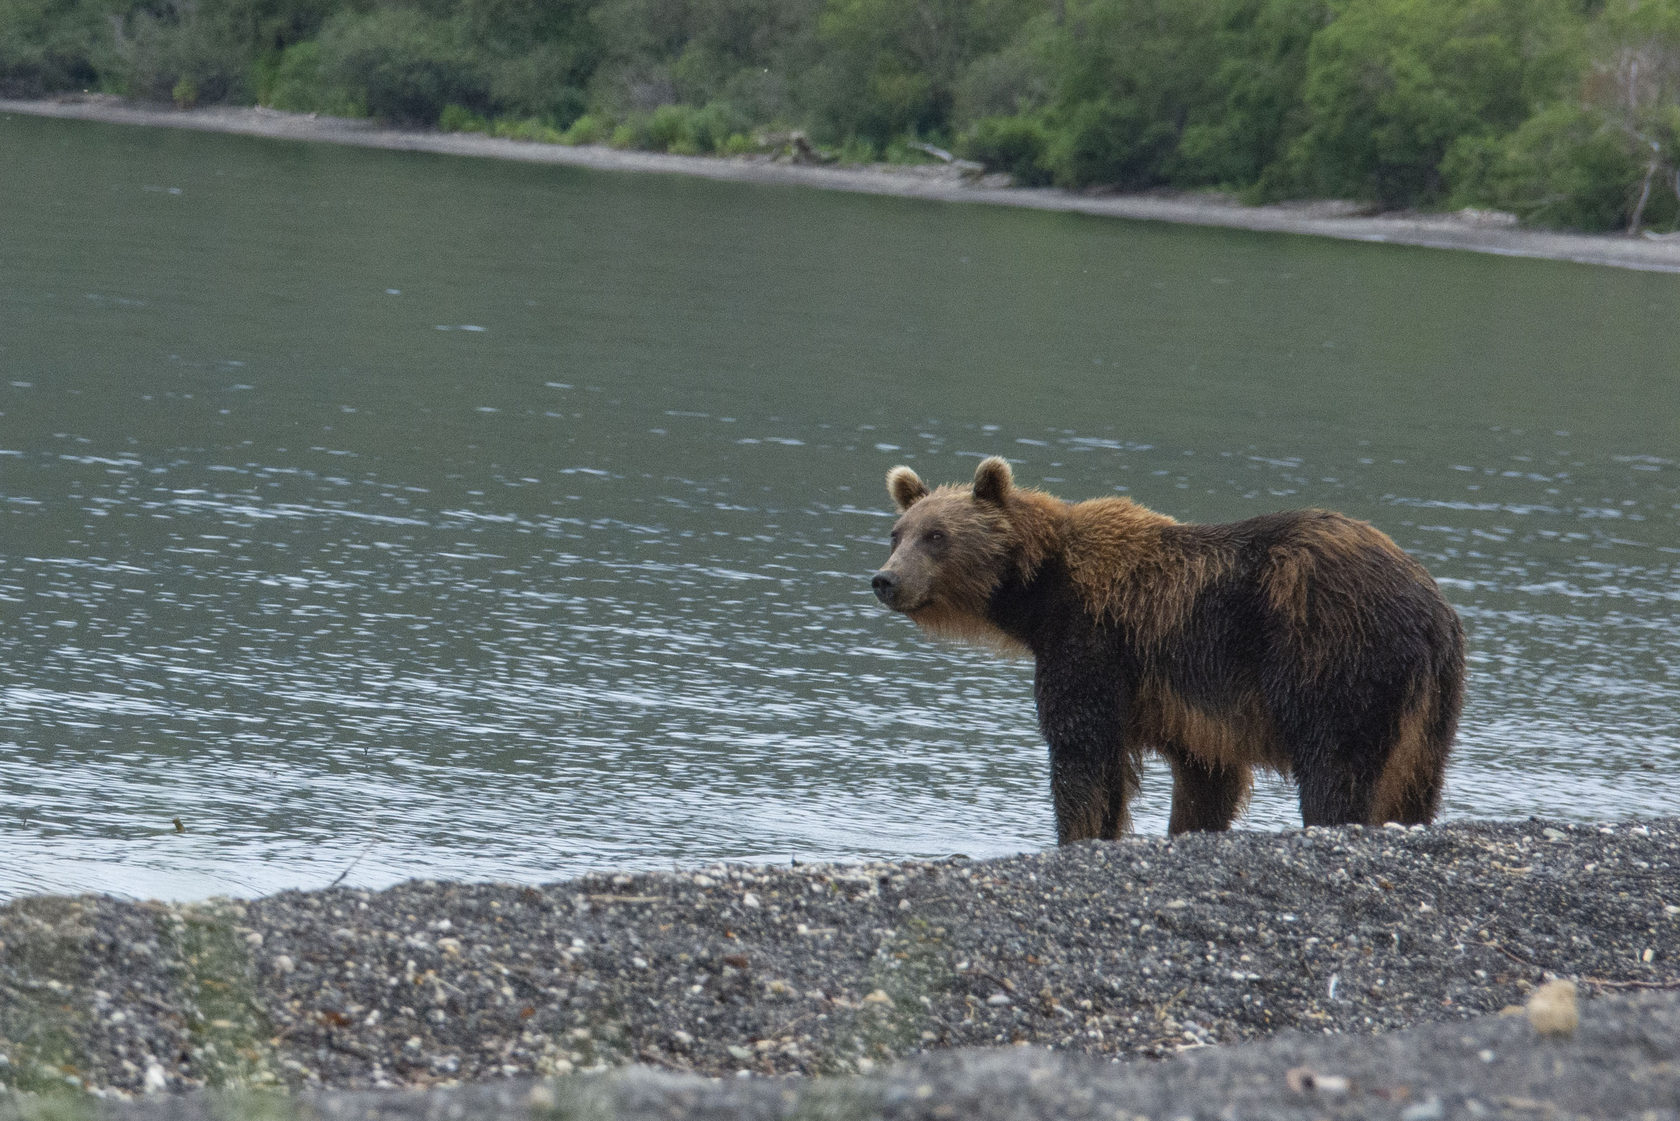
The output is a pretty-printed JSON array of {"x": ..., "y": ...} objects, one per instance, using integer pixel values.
[{"x": 416, "y": 516}]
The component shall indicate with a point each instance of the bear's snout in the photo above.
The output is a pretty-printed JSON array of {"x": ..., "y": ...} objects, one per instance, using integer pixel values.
[{"x": 886, "y": 587}]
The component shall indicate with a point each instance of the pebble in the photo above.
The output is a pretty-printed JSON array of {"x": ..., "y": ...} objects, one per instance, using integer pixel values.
[{"x": 1551, "y": 1009}]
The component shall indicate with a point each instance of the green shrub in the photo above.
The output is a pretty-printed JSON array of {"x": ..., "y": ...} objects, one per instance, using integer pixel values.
[
  {"x": 1109, "y": 143},
  {"x": 1392, "y": 85},
  {"x": 586, "y": 129},
  {"x": 454, "y": 118},
  {"x": 51, "y": 45},
  {"x": 540, "y": 82},
  {"x": 529, "y": 129},
  {"x": 404, "y": 65},
  {"x": 685, "y": 129},
  {"x": 857, "y": 150},
  {"x": 206, "y": 45},
  {"x": 1017, "y": 145},
  {"x": 738, "y": 144},
  {"x": 1563, "y": 167},
  {"x": 1006, "y": 84},
  {"x": 714, "y": 123},
  {"x": 667, "y": 129}
]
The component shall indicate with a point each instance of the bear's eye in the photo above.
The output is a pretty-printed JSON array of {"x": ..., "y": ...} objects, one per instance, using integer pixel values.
[
  {"x": 893, "y": 538},
  {"x": 936, "y": 537}
]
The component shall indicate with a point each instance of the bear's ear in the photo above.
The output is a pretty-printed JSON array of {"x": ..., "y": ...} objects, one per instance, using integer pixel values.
[
  {"x": 906, "y": 487},
  {"x": 992, "y": 479}
]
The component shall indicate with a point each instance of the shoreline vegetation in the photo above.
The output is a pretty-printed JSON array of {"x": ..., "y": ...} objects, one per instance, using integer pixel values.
[
  {"x": 947, "y": 181},
  {"x": 1371, "y": 972},
  {"x": 1563, "y": 113}
]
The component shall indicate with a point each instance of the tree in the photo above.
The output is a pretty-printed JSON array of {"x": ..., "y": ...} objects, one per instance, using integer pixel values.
[
  {"x": 1131, "y": 76},
  {"x": 406, "y": 65},
  {"x": 893, "y": 67},
  {"x": 1634, "y": 86},
  {"x": 1255, "y": 109},
  {"x": 50, "y": 45},
  {"x": 1603, "y": 153},
  {"x": 1391, "y": 85}
]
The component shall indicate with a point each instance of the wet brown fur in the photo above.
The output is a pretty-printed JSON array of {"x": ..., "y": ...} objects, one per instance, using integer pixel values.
[{"x": 1351, "y": 628}]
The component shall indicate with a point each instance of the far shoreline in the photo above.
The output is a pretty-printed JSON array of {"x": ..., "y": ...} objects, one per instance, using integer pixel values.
[{"x": 1475, "y": 231}]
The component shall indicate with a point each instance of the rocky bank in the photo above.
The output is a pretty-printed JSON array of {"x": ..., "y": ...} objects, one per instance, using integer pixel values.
[{"x": 1479, "y": 231}]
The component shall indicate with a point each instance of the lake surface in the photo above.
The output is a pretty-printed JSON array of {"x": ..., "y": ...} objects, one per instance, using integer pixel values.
[{"x": 380, "y": 515}]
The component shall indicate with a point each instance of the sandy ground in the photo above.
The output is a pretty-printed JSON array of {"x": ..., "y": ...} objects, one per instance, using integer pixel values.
[{"x": 1473, "y": 230}]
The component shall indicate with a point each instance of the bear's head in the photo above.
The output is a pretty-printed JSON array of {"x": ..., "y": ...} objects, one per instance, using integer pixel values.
[{"x": 952, "y": 547}]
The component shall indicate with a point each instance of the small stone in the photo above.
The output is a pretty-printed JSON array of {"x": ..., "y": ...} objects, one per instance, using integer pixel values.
[
  {"x": 1305, "y": 1080},
  {"x": 739, "y": 1053},
  {"x": 879, "y": 996},
  {"x": 283, "y": 963},
  {"x": 155, "y": 1081},
  {"x": 998, "y": 1000},
  {"x": 1429, "y": 1109},
  {"x": 1551, "y": 1009},
  {"x": 750, "y": 900}
]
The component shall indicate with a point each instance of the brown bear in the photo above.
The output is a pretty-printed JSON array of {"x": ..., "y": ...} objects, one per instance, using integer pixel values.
[{"x": 1304, "y": 642}]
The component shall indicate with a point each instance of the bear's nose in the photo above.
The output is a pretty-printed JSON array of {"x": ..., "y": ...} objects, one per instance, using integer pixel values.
[{"x": 886, "y": 586}]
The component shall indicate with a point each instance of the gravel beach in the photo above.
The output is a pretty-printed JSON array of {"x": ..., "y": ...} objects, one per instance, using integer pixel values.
[
  {"x": 1143, "y": 949},
  {"x": 1479, "y": 231}
]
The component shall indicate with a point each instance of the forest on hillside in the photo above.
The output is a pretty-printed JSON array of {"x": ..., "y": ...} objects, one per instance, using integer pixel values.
[{"x": 1565, "y": 112}]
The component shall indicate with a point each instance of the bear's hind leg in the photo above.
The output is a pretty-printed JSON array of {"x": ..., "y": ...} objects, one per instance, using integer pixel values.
[
  {"x": 1336, "y": 747},
  {"x": 1335, "y": 795},
  {"x": 1206, "y": 797},
  {"x": 1409, "y": 790}
]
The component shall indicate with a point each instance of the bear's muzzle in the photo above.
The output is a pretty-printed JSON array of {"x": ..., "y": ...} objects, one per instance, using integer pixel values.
[{"x": 886, "y": 587}]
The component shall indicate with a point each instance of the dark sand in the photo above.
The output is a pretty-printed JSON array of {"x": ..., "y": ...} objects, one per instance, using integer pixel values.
[{"x": 1479, "y": 231}]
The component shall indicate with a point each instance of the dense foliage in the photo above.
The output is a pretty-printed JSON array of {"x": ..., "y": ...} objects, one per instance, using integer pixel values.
[{"x": 1566, "y": 112}]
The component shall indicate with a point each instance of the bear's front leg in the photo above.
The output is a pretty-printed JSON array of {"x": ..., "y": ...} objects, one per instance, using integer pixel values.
[
  {"x": 1092, "y": 776},
  {"x": 1091, "y": 795}
]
